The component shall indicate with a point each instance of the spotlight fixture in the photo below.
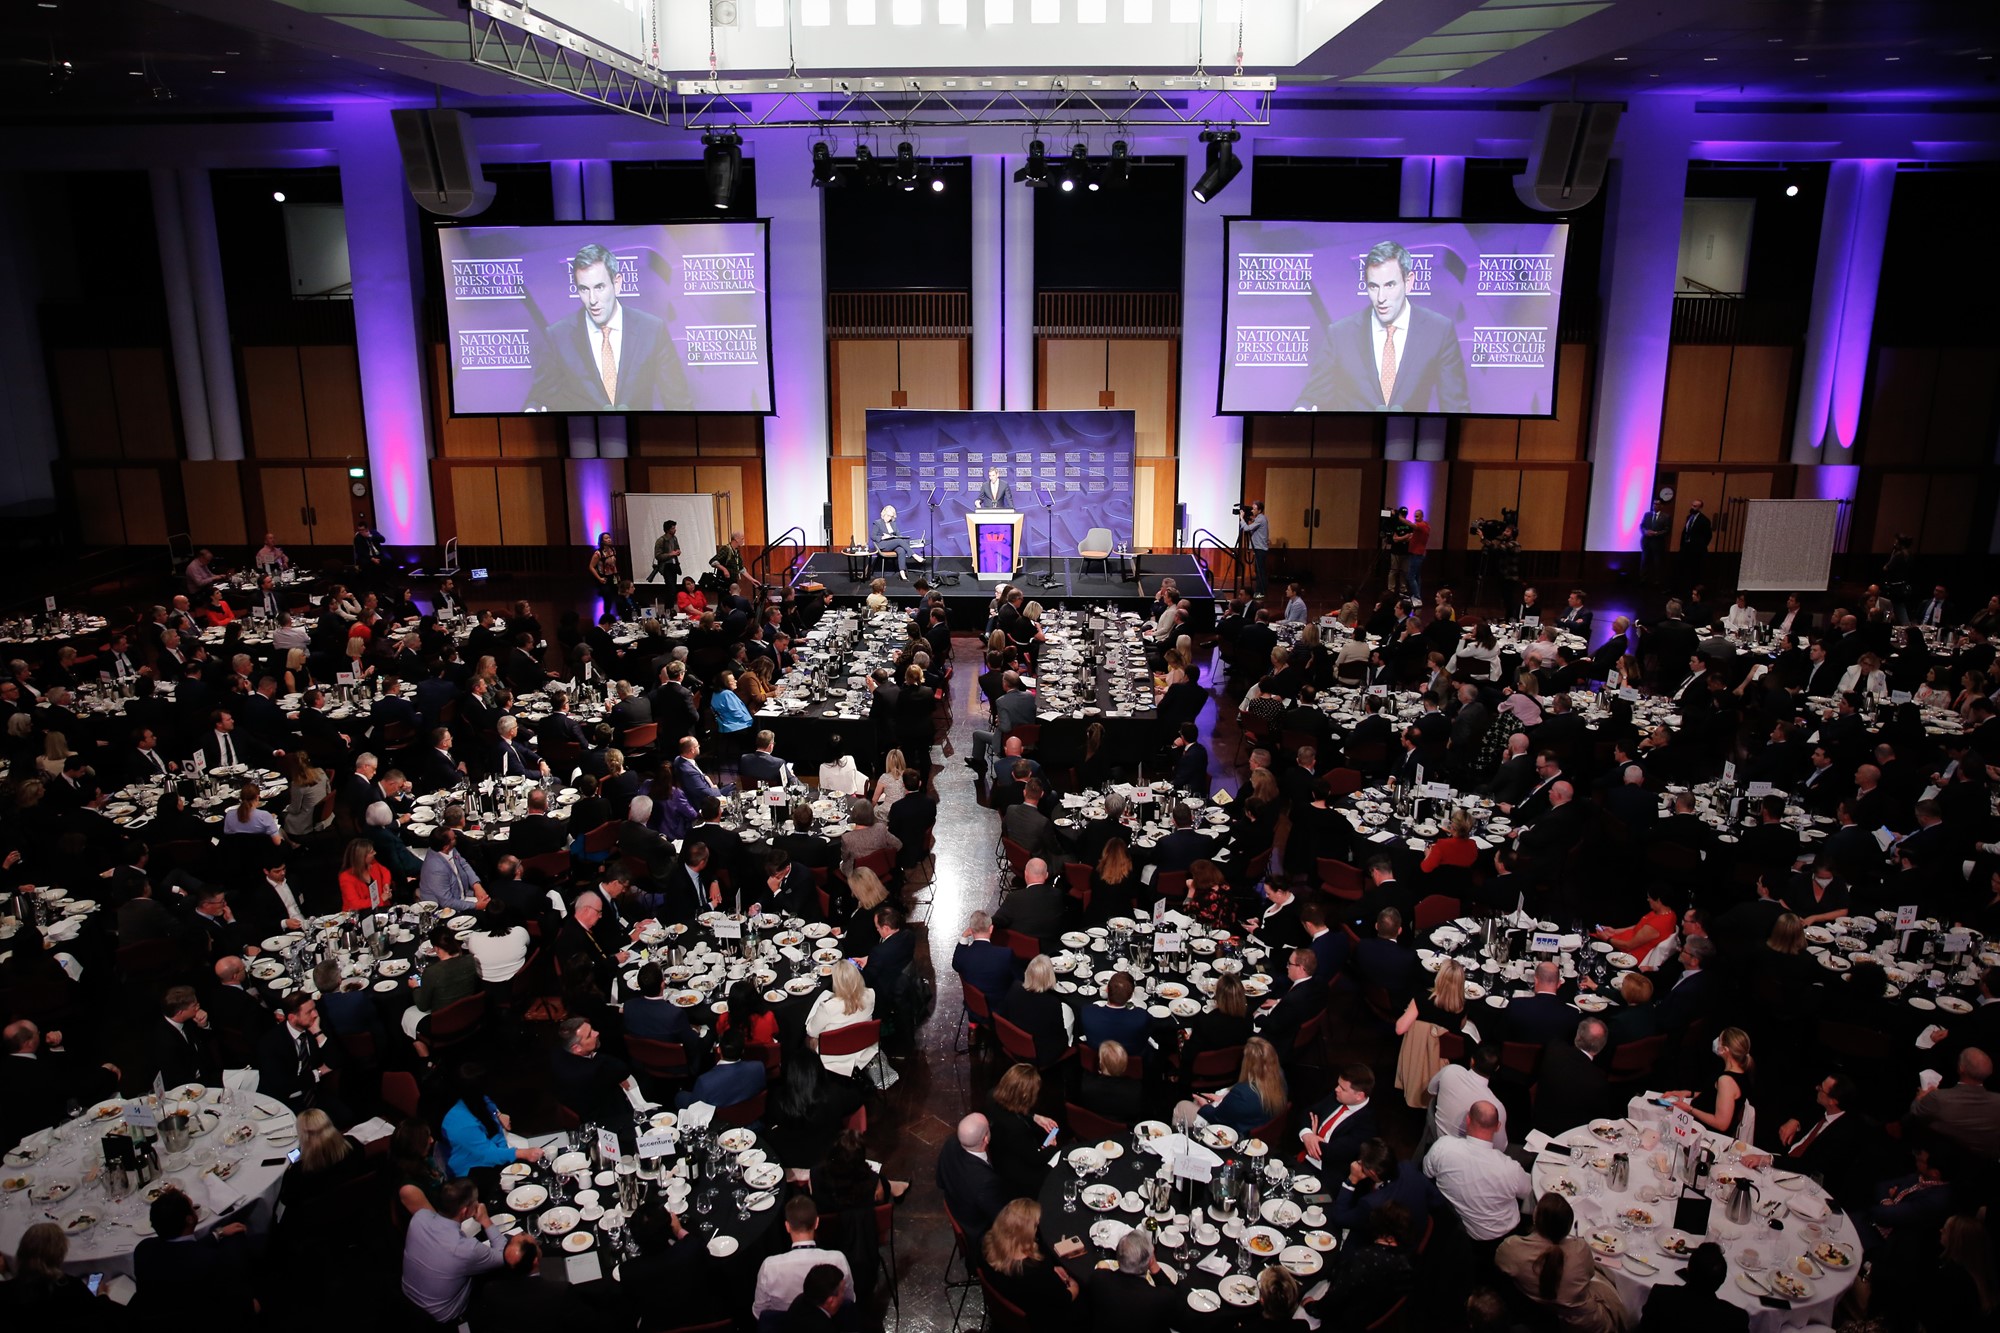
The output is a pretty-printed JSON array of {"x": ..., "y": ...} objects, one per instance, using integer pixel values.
[
  {"x": 1791, "y": 192},
  {"x": 277, "y": 196},
  {"x": 866, "y": 169},
  {"x": 1117, "y": 173},
  {"x": 905, "y": 171},
  {"x": 937, "y": 182},
  {"x": 1077, "y": 171},
  {"x": 825, "y": 174},
  {"x": 1223, "y": 164},
  {"x": 722, "y": 162},
  {"x": 1034, "y": 173}
]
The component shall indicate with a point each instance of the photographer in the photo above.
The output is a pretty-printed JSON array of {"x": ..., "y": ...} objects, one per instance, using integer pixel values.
[
  {"x": 1256, "y": 531},
  {"x": 1396, "y": 534}
]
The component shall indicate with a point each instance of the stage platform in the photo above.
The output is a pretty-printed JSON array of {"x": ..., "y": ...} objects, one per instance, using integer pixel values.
[{"x": 966, "y": 600}]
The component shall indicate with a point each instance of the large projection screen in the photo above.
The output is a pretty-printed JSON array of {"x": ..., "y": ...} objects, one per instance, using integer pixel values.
[
  {"x": 1080, "y": 461},
  {"x": 608, "y": 317},
  {"x": 1788, "y": 545},
  {"x": 1473, "y": 307}
]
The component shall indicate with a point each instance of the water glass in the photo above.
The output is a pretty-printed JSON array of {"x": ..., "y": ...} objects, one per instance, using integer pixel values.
[{"x": 1072, "y": 1188}]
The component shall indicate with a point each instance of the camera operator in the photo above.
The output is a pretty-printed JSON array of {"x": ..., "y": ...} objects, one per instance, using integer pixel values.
[
  {"x": 1256, "y": 530},
  {"x": 1500, "y": 555},
  {"x": 1396, "y": 534}
]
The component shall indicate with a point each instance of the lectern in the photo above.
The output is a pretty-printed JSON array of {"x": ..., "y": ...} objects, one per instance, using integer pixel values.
[{"x": 995, "y": 538}]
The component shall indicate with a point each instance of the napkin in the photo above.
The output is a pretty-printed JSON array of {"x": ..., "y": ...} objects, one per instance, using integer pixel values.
[
  {"x": 1215, "y": 1263},
  {"x": 697, "y": 1116},
  {"x": 218, "y": 1194},
  {"x": 1571, "y": 942},
  {"x": 1929, "y": 1078},
  {"x": 1383, "y": 836},
  {"x": 240, "y": 1080},
  {"x": 1169, "y": 1146},
  {"x": 1925, "y": 1040},
  {"x": 368, "y": 1131},
  {"x": 580, "y": 1268},
  {"x": 792, "y": 954},
  {"x": 1536, "y": 1142}
]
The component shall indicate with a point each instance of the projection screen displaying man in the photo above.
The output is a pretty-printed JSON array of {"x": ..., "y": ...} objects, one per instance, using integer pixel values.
[{"x": 1391, "y": 356}]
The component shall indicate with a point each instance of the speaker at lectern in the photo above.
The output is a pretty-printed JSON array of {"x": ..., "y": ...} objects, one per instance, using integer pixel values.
[{"x": 995, "y": 538}]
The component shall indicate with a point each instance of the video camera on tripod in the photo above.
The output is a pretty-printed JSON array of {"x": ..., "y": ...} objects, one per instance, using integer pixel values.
[{"x": 1491, "y": 530}]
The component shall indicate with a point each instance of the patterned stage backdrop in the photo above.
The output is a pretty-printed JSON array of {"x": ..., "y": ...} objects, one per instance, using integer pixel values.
[{"x": 1082, "y": 461}]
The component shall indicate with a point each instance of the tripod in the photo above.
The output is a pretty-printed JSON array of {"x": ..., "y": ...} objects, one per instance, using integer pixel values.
[
  {"x": 1049, "y": 580},
  {"x": 930, "y": 532}
]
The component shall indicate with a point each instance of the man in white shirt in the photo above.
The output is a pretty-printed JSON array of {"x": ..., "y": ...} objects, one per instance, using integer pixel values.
[
  {"x": 1453, "y": 1091},
  {"x": 270, "y": 555},
  {"x": 783, "y": 1276},
  {"x": 1484, "y": 1186},
  {"x": 287, "y": 635}
]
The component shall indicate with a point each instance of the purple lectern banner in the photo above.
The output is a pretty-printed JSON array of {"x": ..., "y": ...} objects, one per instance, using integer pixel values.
[
  {"x": 1080, "y": 461},
  {"x": 598, "y": 317},
  {"x": 1413, "y": 317}
]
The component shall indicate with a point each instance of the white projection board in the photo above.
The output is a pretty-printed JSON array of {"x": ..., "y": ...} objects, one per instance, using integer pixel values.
[
  {"x": 646, "y": 511},
  {"x": 1787, "y": 545}
]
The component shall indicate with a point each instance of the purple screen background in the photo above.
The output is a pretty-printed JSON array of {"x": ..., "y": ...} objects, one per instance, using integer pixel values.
[
  {"x": 1289, "y": 281},
  {"x": 1081, "y": 460},
  {"x": 498, "y": 313}
]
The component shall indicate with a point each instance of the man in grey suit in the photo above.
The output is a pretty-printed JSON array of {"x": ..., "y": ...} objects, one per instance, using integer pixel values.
[
  {"x": 1966, "y": 1113},
  {"x": 1014, "y": 708},
  {"x": 1390, "y": 357}
]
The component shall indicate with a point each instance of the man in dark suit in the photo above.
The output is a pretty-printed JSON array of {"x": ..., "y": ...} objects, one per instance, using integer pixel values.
[
  {"x": 650, "y": 1015},
  {"x": 183, "y": 1049},
  {"x": 1338, "y": 1126},
  {"x": 1840, "y": 1145},
  {"x": 1542, "y": 1017},
  {"x": 760, "y": 765},
  {"x": 238, "y": 1019},
  {"x": 1385, "y": 960},
  {"x": 1128, "y": 1296},
  {"x": 536, "y": 833},
  {"x": 185, "y": 1276},
  {"x": 1304, "y": 998},
  {"x": 1391, "y": 356},
  {"x": 1025, "y": 824},
  {"x": 295, "y": 1057},
  {"x": 640, "y": 843},
  {"x": 607, "y": 356},
  {"x": 971, "y": 1187},
  {"x": 1575, "y": 617},
  {"x": 912, "y": 818},
  {"x": 1573, "y": 1085},
  {"x": 1770, "y": 842},
  {"x": 1692, "y": 994},
  {"x": 980, "y": 962},
  {"x": 1696, "y": 531},
  {"x": 585, "y": 1079},
  {"x": 1183, "y": 847},
  {"x": 996, "y": 493},
  {"x": 1190, "y": 760},
  {"x": 730, "y": 1081},
  {"x": 1036, "y": 908},
  {"x": 437, "y": 770},
  {"x": 1116, "y": 1018},
  {"x": 38, "y": 1083},
  {"x": 1673, "y": 642}
]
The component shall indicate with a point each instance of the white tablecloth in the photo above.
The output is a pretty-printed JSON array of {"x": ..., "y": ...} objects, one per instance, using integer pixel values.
[
  {"x": 250, "y": 1194},
  {"x": 1775, "y": 1247}
]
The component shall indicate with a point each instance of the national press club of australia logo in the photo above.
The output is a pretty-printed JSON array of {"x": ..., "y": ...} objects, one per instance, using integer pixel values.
[
  {"x": 491, "y": 280},
  {"x": 718, "y": 274},
  {"x": 1264, "y": 346}
]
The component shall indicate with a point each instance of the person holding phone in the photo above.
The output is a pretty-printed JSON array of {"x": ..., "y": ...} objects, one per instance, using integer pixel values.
[
  {"x": 1021, "y": 1139},
  {"x": 41, "y": 1294}
]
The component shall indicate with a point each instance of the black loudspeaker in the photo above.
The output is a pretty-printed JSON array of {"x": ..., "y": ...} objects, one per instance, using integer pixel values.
[
  {"x": 440, "y": 164},
  {"x": 1180, "y": 525},
  {"x": 1572, "y": 148},
  {"x": 826, "y": 522}
]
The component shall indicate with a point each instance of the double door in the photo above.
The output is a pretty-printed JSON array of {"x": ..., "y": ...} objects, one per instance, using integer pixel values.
[
  {"x": 1314, "y": 508},
  {"x": 308, "y": 506}
]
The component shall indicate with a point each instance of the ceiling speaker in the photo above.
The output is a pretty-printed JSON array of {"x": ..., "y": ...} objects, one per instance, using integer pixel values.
[
  {"x": 440, "y": 164},
  {"x": 1572, "y": 148}
]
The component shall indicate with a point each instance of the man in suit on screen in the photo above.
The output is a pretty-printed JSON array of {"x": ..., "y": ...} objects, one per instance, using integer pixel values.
[
  {"x": 1391, "y": 356},
  {"x": 608, "y": 355}
]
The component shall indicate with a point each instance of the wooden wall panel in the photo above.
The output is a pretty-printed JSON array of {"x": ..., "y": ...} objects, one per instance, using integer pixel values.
[
  {"x": 728, "y": 432},
  {"x": 331, "y": 383},
  {"x": 143, "y": 499},
  {"x": 671, "y": 479},
  {"x": 1358, "y": 436},
  {"x": 146, "y": 424},
  {"x": 276, "y": 424},
  {"x": 1756, "y": 428},
  {"x": 1961, "y": 430},
  {"x": 745, "y": 505},
  {"x": 539, "y": 436},
  {"x": 1073, "y": 373},
  {"x": 1292, "y": 430},
  {"x": 848, "y": 491},
  {"x": 1697, "y": 391},
  {"x": 1900, "y": 501},
  {"x": 1337, "y": 497},
  {"x": 661, "y": 435},
  {"x": 864, "y": 375},
  {"x": 215, "y": 494},
  {"x": 1561, "y": 438},
  {"x": 1288, "y": 498},
  {"x": 1143, "y": 378},
  {"x": 933, "y": 374},
  {"x": 523, "y": 507},
  {"x": 1948, "y": 513},
  {"x": 1489, "y": 439},
  {"x": 1690, "y": 485},
  {"x": 87, "y": 403},
  {"x": 1544, "y": 506},
  {"x": 1145, "y": 489},
  {"x": 475, "y": 495},
  {"x": 1491, "y": 489},
  {"x": 1899, "y": 405}
]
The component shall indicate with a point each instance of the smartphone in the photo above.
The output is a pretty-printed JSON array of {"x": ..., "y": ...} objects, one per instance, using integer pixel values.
[
  {"x": 292, "y": 1156},
  {"x": 93, "y": 1282},
  {"x": 1661, "y": 1101}
]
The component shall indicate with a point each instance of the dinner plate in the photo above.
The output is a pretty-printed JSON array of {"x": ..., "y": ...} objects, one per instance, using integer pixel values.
[
  {"x": 1264, "y": 1242},
  {"x": 737, "y": 1140},
  {"x": 1281, "y": 1212},
  {"x": 1100, "y": 1198},
  {"x": 527, "y": 1198},
  {"x": 1301, "y": 1261},
  {"x": 1216, "y": 1136},
  {"x": 721, "y": 1246},
  {"x": 759, "y": 1202},
  {"x": 1678, "y": 1245},
  {"x": 1321, "y": 1240},
  {"x": 1622, "y": 959},
  {"x": 556, "y": 1221},
  {"x": 1238, "y": 1289},
  {"x": 516, "y": 1170},
  {"x": 1780, "y": 1279},
  {"x": 570, "y": 1163},
  {"x": 1604, "y": 1241},
  {"x": 1204, "y": 1300},
  {"x": 1151, "y": 1129}
]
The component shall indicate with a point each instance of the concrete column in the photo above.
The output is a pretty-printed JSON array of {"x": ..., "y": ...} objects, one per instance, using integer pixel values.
[
  {"x": 1845, "y": 279},
  {"x": 1433, "y": 187},
  {"x": 989, "y": 317},
  {"x": 1017, "y": 224},
  {"x": 211, "y": 310},
  {"x": 183, "y": 332},
  {"x": 1642, "y": 251},
  {"x": 797, "y": 438},
  {"x": 27, "y": 483},
  {"x": 1210, "y": 446},
  {"x": 380, "y": 245}
]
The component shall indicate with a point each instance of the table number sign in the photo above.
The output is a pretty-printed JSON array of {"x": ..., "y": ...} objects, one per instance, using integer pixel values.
[
  {"x": 728, "y": 930},
  {"x": 1954, "y": 941},
  {"x": 1906, "y": 917},
  {"x": 1729, "y": 770},
  {"x": 343, "y": 678},
  {"x": 1757, "y": 791},
  {"x": 1540, "y": 942},
  {"x": 1439, "y": 791},
  {"x": 1166, "y": 941},
  {"x": 607, "y": 1144}
]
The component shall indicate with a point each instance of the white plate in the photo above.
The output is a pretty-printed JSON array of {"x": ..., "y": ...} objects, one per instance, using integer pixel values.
[
  {"x": 527, "y": 1198},
  {"x": 570, "y": 1163},
  {"x": 576, "y": 1242},
  {"x": 1263, "y": 1242},
  {"x": 1238, "y": 1289},
  {"x": 1204, "y": 1300},
  {"x": 1321, "y": 1240},
  {"x": 557, "y": 1221},
  {"x": 722, "y": 1246},
  {"x": 1301, "y": 1261}
]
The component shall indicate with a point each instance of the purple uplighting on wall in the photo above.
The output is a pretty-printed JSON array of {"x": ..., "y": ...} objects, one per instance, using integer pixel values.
[
  {"x": 1834, "y": 481},
  {"x": 1848, "y": 272},
  {"x": 386, "y": 283},
  {"x": 594, "y": 479},
  {"x": 1417, "y": 485}
]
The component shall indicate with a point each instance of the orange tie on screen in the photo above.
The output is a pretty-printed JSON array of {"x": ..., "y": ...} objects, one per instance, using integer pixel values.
[
  {"x": 607, "y": 365},
  {"x": 1388, "y": 362}
]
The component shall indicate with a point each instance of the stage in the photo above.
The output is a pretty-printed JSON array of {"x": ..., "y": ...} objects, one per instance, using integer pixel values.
[{"x": 966, "y": 601}]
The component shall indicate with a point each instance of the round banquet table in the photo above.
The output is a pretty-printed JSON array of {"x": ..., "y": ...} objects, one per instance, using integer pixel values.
[
  {"x": 740, "y": 1223},
  {"x": 1190, "y": 1236},
  {"x": 1799, "y": 1220},
  {"x": 71, "y": 1154}
]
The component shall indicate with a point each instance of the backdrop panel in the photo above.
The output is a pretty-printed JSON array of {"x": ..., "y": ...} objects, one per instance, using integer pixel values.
[
  {"x": 644, "y": 513},
  {"x": 1080, "y": 461},
  {"x": 1788, "y": 545}
]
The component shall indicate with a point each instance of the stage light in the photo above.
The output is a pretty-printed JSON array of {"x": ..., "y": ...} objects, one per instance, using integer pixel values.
[
  {"x": 937, "y": 185},
  {"x": 825, "y": 174},
  {"x": 277, "y": 196},
  {"x": 905, "y": 171},
  {"x": 866, "y": 169},
  {"x": 1117, "y": 173},
  {"x": 1034, "y": 173},
  {"x": 1077, "y": 171},
  {"x": 1223, "y": 164},
  {"x": 1791, "y": 192},
  {"x": 722, "y": 160}
]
